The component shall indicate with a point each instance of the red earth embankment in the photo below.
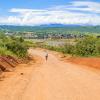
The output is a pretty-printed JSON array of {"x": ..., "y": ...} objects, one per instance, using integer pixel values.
[
  {"x": 92, "y": 62},
  {"x": 8, "y": 63}
]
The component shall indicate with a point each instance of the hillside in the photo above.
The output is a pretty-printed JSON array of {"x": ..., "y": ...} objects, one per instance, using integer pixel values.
[{"x": 51, "y": 28}]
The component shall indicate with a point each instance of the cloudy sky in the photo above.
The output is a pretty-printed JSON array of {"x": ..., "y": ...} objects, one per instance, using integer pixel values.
[{"x": 39, "y": 12}]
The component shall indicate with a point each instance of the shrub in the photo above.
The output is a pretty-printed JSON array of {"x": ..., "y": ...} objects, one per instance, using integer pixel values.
[
  {"x": 98, "y": 47},
  {"x": 18, "y": 48},
  {"x": 4, "y": 52},
  {"x": 68, "y": 48},
  {"x": 29, "y": 44},
  {"x": 86, "y": 47},
  {"x": 21, "y": 39}
]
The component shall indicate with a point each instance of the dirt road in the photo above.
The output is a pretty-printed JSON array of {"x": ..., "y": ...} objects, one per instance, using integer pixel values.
[{"x": 51, "y": 80}]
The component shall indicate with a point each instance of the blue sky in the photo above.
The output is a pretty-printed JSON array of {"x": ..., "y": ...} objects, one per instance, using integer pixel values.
[
  {"x": 31, "y": 3},
  {"x": 38, "y": 12}
]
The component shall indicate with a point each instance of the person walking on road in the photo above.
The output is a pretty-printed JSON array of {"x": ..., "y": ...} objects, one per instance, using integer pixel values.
[{"x": 46, "y": 55}]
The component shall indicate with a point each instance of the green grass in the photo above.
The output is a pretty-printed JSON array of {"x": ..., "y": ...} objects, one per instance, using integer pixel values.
[{"x": 5, "y": 52}]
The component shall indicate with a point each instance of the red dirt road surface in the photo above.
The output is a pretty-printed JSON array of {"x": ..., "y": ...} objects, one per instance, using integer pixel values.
[{"x": 51, "y": 80}]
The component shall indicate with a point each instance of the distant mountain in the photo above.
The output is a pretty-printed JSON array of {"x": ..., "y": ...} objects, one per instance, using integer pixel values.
[
  {"x": 51, "y": 28},
  {"x": 58, "y": 25}
]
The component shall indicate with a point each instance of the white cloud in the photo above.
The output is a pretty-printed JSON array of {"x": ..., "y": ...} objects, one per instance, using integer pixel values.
[
  {"x": 72, "y": 13},
  {"x": 87, "y": 6}
]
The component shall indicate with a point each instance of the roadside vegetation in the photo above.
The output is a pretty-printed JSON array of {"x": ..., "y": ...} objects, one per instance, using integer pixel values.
[
  {"x": 86, "y": 47},
  {"x": 13, "y": 46}
]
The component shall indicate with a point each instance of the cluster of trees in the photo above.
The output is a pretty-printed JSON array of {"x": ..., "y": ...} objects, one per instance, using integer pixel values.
[
  {"x": 17, "y": 46},
  {"x": 13, "y": 46},
  {"x": 87, "y": 46}
]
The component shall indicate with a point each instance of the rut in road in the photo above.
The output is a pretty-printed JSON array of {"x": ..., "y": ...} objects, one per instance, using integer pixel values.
[{"x": 55, "y": 80}]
